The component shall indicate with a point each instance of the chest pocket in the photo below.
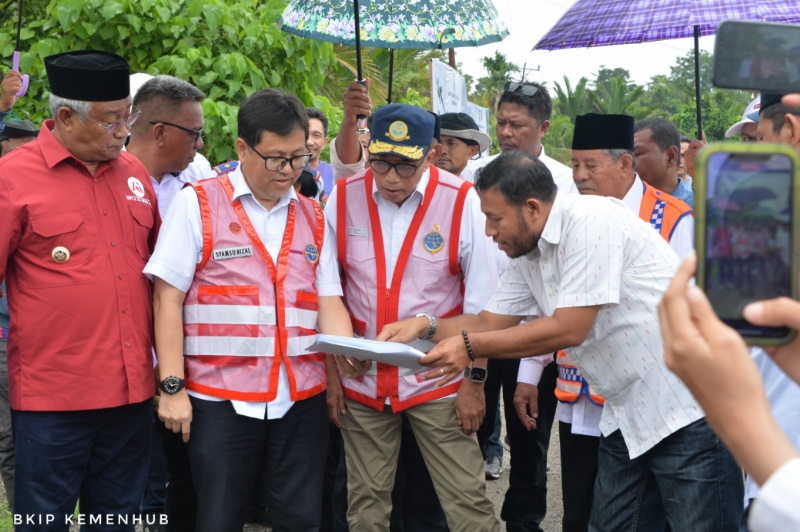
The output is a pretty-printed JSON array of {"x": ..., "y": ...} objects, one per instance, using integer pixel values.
[
  {"x": 431, "y": 254},
  {"x": 142, "y": 225},
  {"x": 60, "y": 241}
]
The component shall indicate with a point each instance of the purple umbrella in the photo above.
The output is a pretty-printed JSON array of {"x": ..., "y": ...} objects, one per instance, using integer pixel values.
[{"x": 608, "y": 22}]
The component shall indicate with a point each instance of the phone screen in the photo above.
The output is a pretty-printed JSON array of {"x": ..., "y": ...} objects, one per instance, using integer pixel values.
[
  {"x": 748, "y": 235},
  {"x": 757, "y": 56}
]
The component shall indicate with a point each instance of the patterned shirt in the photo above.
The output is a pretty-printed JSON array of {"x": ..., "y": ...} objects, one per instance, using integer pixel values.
[{"x": 594, "y": 251}]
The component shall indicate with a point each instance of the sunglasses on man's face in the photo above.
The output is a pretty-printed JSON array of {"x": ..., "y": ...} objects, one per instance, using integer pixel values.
[{"x": 524, "y": 88}]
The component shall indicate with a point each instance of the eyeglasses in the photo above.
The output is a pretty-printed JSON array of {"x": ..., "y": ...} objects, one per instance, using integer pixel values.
[
  {"x": 525, "y": 88},
  {"x": 196, "y": 132},
  {"x": 402, "y": 169},
  {"x": 135, "y": 113},
  {"x": 274, "y": 164}
]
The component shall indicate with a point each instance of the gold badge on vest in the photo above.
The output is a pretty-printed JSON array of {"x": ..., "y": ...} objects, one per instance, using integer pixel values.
[{"x": 433, "y": 242}]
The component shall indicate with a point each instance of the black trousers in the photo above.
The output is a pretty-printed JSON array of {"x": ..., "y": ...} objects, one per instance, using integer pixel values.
[
  {"x": 227, "y": 452},
  {"x": 578, "y": 472},
  {"x": 525, "y": 503},
  {"x": 180, "y": 501}
]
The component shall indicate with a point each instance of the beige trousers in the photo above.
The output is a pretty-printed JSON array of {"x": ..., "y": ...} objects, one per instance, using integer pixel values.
[{"x": 454, "y": 460}]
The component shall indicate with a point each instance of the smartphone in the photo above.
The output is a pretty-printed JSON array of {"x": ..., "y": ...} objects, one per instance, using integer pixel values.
[
  {"x": 757, "y": 56},
  {"x": 746, "y": 231}
]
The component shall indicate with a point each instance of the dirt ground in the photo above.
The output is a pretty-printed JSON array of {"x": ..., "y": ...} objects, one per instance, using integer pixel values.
[{"x": 496, "y": 490}]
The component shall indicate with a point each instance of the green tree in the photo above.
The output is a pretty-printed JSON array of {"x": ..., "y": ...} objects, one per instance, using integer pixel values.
[
  {"x": 225, "y": 48},
  {"x": 488, "y": 88},
  {"x": 558, "y": 140},
  {"x": 571, "y": 102},
  {"x": 605, "y": 75},
  {"x": 682, "y": 77},
  {"x": 618, "y": 98}
]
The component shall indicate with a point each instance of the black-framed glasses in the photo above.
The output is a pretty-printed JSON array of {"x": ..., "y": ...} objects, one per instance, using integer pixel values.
[
  {"x": 196, "y": 132},
  {"x": 273, "y": 164},
  {"x": 525, "y": 88},
  {"x": 402, "y": 169},
  {"x": 134, "y": 115}
]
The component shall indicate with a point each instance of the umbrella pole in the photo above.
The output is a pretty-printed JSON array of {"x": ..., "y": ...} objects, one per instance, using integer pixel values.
[
  {"x": 357, "y": 23},
  {"x": 698, "y": 98},
  {"x": 391, "y": 74}
]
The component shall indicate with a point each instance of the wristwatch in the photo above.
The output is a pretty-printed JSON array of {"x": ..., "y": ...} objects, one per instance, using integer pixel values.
[
  {"x": 476, "y": 374},
  {"x": 431, "y": 325},
  {"x": 172, "y": 385}
]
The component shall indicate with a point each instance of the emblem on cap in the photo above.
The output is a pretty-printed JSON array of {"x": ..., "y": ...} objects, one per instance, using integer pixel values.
[
  {"x": 60, "y": 254},
  {"x": 433, "y": 242},
  {"x": 398, "y": 130},
  {"x": 235, "y": 228},
  {"x": 311, "y": 253}
]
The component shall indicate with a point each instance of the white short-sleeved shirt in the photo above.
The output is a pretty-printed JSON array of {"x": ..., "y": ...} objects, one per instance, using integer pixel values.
[
  {"x": 171, "y": 184},
  {"x": 583, "y": 415},
  {"x": 180, "y": 248},
  {"x": 595, "y": 251}
]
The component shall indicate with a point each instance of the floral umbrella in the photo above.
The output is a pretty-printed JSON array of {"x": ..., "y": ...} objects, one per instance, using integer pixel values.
[{"x": 419, "y": 24}]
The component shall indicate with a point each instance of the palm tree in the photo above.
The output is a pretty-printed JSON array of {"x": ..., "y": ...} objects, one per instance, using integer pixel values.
[
  {"x": 618, "y": 98},
  {"x": 572, "y": 103}
]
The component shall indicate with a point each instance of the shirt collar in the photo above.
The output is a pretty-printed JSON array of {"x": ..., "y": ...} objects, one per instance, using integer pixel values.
[
  {"x": 552, "y": 227},
  {"x": 633, "y": 198},
  {"x": 241, "y": 188},
  {"x": 419, "y": 189}
]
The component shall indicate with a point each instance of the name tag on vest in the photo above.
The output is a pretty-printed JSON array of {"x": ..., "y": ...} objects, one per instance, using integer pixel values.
[
  {"x": 232, "y": 253},
  {"x": 357, "y": 231}
]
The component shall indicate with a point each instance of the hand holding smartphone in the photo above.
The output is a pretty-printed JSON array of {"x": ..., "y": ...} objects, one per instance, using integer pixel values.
[{"x": 746, "y": 231}]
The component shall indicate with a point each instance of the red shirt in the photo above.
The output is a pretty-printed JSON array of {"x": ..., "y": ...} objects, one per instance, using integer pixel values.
[{"x": 82, "y": 328}]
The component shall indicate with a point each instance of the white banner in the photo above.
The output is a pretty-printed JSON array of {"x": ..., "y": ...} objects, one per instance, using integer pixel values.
[
  {"x": 449, "y": 95},
  {"x": 448, "y": 89}
]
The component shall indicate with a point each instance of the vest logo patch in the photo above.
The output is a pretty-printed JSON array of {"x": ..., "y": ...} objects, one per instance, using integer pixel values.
[
  {"x": 357, "y": 231},
  {"x": 311, "y": 253},
  {"x": 433, "y": 242},
  {"x": 233, "y": 253},
  {"x": 235, "y": 228}
]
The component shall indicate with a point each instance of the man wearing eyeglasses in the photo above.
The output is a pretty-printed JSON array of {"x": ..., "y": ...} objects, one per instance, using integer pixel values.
[
  {"x": 410, "y": 241},
  {"x": 244, "y": 276},
  {"x": 168, "y": 136},
  {"x": 75, "y": 235}
]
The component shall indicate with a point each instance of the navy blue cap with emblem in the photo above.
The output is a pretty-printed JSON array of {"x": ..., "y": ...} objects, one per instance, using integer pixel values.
[{"x": 400, "y": 129}]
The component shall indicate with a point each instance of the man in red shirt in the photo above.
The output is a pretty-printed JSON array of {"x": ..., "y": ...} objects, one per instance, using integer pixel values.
[{"x": 78, "y": 220}]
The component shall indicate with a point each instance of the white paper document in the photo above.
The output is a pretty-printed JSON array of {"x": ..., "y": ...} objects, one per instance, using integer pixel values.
[{"x": 393, "y": 353}]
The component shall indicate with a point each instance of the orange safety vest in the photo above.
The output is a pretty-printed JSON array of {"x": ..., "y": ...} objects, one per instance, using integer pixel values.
[{"x": 663, "y": 211}]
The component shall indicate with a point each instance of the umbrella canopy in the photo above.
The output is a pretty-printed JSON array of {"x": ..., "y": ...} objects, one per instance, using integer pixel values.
[
  {"x": 608, "y": 22},
  {"x": 419, "y": 24}
]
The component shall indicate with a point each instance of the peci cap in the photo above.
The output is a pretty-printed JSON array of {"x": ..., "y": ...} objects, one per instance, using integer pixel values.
[
  {"x": 16, "y": 129},
  {"x": 753, "y": 107},
  {"x": 595, "y": 131},
  {"x": 88, "y": 75},
  {"x": 768, "y": 99},
  {"x": 462, "y": 126},
  {"x": 400, "y": 129}
]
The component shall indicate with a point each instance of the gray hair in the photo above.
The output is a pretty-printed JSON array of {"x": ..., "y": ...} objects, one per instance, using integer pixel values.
[
  {"x": 616, "y": 154},
  {"x": 80, "y": 107}
]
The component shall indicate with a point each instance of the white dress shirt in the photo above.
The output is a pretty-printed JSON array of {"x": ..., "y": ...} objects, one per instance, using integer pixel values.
[
  {"x": 583, "y": 415},
  {"x": 562, "y": 174},
  {"x": 180, "y": 248},
  {"x": 777, "y": 503},
  {"x": 594, "y": 252},
  {"x": 171, "y": 184},
  {"x": 341, "y": 169}
]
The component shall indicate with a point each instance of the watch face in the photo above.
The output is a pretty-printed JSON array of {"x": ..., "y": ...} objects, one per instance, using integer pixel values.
[
  {"x": 172, "y": 385},
  {"x": 477, "y": 374}
]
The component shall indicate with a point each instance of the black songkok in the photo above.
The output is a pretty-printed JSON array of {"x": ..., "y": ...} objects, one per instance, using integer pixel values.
[
  {"x": 603, "y": 132},
  {"x": 88, "y": 76}
]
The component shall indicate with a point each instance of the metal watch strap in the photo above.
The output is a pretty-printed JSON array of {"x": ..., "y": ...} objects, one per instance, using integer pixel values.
[{"x": 431, "y": 325}]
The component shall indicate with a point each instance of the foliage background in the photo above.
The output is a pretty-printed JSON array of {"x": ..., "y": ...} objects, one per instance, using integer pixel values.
[{"x": 231, "y": 49}]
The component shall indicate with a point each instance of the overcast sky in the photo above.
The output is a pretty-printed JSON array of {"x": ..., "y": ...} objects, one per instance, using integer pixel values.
[{"x": 528, "y": 20}]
